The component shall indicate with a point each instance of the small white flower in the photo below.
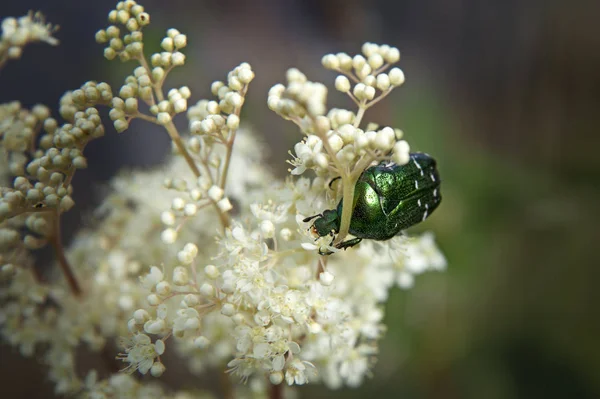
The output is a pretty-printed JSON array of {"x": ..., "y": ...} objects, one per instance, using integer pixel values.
[
  {"x": 296, "y": 372},
  {"x": 139, "y": 353},
  {"x": 153, "y": 277}
]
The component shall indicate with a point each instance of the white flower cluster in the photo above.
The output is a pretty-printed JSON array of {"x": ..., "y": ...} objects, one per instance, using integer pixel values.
[
  {"x": 44, "y": 164},
  {"x": 268, "y": 304},
  {"x": 132, "y": 16},
  {"x": 209, "y": 255},
  {"x": 146, "y": 81},
  {"x": 19, "y": 32},
  {"x": 213, "y": 127},
  {"x": 111, "y": 257},
  {"x": 125, "y": 386},
  {"x": 334, "y": 141}
]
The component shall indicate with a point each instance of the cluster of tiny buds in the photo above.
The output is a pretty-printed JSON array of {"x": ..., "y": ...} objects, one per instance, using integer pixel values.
[
  {"x": 85, "y": 122},
  {"x": 162, "y": 289},
  {"x": 44, "y": 181},
  {"x": 133, "y": 17},
  {"x": 200, "y": 195},
  {"x": 171, "y": 57},
  {"x": 17, "y": 33},
  {"x": 88, "y": 95},
  {"x": 301, "y": 97},
  {"x": 20, "y": 127},
  {"x": 219, "y": 118},
  {"x": 49, "y": 189},
  {"x": 349, "y": 143},
  {"x": 175, "y": 103},
  {"x": 366, "y": 71},
  {"x": 145, "y": 82},
  {"x": 26, "y": 196}
]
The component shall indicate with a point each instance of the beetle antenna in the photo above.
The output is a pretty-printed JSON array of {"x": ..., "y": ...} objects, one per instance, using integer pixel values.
[{"x": 308, "y": 219}]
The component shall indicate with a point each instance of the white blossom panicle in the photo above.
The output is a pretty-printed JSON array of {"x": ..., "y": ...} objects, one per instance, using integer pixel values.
[
  {"x": 334, "y": 140},
  {"x": 19, "y": 32},
  {"x": 209, "y": 256}
]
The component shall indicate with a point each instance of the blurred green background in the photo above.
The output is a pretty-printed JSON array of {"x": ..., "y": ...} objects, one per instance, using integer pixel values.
[{"x": 505, "y": 94}]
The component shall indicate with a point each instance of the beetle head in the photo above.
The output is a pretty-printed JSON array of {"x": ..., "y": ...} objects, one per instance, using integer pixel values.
[{"x": 327, "y": 223}]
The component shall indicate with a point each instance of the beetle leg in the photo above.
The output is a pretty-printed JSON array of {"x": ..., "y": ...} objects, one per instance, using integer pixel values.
[
  {"x": 349, "y": 243},
  {"x": 332, "y": 234},
  {"x": 325, "y": 252}
]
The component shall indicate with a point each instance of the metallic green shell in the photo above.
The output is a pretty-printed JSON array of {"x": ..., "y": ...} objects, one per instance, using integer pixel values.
[{"x": 389, "y": 198}]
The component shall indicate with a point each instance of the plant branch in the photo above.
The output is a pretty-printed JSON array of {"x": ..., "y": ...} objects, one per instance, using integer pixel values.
[
  {"x": 226, "y": 388},
  {"x": 55, "y": 240},
  {"x": 276, "y": 391},
  {"x": 230, "y": 142},
  {"x": 362, "y": 107},
  {"x": 176, "y": 138},
  {"x": 381, "y": 97}
]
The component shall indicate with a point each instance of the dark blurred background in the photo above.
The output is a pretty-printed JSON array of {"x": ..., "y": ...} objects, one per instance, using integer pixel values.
[{"x": 505, "y": 94}]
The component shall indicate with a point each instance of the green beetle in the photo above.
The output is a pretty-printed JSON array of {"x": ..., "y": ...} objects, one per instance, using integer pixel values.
[{"x": 388, "y": 198}]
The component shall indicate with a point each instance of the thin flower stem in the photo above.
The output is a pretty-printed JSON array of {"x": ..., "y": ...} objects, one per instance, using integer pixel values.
[
  {"x": 170, "y": 127},
  {"x": 145, "y": 117},
  {"x": 203, "y": 158},
  {"x": 321, "y": 265},
  {"x": 71, "y": 172},
  {"x": 381, "y": 69},
  {"x": 30, "y": 210},
  {"x": 353, "y": 97},
  {"x": 361, "y": 165},
  {"x": 162, "y": 81},
  {"x": 229, "y": 144},
  {"x": 65, "y": 267},
  {"x": 69, "y": 176},
  {"x": 349, "y": 75},
  {"x": 330, "y": 152},
  {"x": 229, "y": 151},
  {"x": 195, "y": 274},
  {"x": 156, "y": 86},
  {"x": 348, "y": 184},
  {"x": 223, "y": 217},
  {"x": 37, "y": 276},
  {"x": 362, "y": 107},
  {"x": 381, "y": 97},
  {"x": 226, "y": 388},
  {"x": 176, "y": 138},
  {"x": 276, "y": 391}
]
